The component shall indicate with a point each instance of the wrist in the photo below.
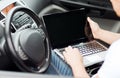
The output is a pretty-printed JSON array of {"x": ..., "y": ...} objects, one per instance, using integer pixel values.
[
  {"x": 77, "y": 67},
  {"x": 99, "y": 33},
  {"x": 73, "y": 65},
  {"x": 80, "y": 71}
]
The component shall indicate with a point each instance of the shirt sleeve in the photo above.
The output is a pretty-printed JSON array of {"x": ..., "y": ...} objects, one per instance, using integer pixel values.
[
  {"x": 111, "y": 65},
  {"x": 94, "y": 76}
]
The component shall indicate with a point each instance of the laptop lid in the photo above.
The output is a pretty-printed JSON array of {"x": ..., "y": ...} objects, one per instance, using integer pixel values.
[{"x": 67, "y": 28}]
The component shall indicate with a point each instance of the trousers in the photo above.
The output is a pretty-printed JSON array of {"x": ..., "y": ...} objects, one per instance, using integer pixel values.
[{"x": 58, "y": 66}]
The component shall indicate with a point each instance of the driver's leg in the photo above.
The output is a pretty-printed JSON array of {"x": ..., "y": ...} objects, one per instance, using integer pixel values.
[
  {"x": 61, "y": 66},
  {"x": 58, "y": 66}
]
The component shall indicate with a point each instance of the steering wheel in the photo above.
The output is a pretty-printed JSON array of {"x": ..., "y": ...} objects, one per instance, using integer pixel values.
[{"x": 29, "y": 47}]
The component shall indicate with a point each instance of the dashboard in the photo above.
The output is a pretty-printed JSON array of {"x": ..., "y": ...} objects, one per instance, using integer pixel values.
[
  {"x": 95, "y": 8},
  {"x": 20, "y": 20}
]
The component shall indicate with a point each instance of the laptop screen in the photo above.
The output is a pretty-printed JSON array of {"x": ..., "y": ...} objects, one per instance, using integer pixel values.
[{"x": 66, "y": 28}]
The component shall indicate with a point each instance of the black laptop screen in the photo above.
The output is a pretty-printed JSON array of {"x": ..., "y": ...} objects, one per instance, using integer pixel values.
[{"x": 66, "y": 28}]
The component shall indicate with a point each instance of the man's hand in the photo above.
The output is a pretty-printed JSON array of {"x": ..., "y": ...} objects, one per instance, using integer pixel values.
[
  {"x": 95, "y": 28},
  {"x": 75, "y": 60},
  {"x": 73, "y": 56}
]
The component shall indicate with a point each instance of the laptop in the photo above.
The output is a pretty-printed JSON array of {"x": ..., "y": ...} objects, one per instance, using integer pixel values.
[{"x": 71, "y": 28}]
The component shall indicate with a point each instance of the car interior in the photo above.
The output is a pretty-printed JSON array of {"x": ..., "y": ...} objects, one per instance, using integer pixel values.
[{"x": 23, "y": 28}]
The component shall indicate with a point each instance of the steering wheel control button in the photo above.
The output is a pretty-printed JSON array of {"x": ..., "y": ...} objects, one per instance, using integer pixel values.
[
  {"x": 22, "y": 54},
  {"x": 42, "y": 33}
]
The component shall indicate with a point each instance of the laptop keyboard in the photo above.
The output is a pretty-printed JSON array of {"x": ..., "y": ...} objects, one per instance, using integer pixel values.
[{"x": 89, "y": 48}]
